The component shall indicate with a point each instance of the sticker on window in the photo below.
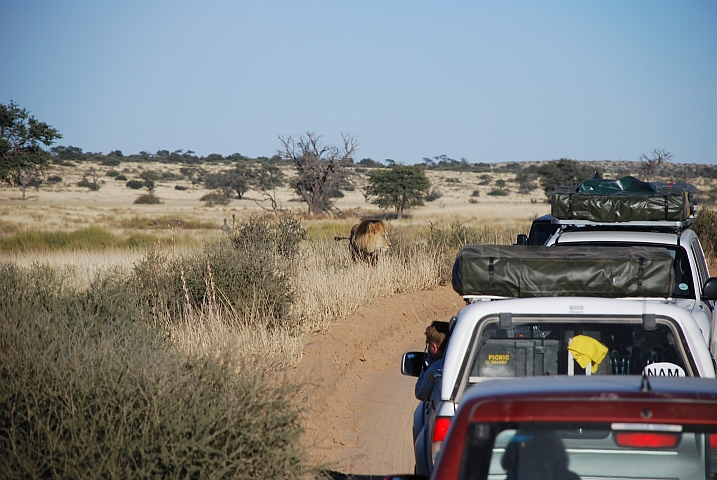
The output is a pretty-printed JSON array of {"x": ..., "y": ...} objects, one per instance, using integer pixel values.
[
  {"x": 683, "y": 287},
  {"x": 664, "y": 369}
]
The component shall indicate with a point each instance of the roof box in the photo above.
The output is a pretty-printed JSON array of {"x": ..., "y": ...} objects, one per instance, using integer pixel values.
[
  {"x": 627, "y": 200},
  {"x": 523, "y": 272}
]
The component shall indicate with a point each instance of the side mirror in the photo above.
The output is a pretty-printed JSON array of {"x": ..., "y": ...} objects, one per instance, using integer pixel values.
[
  {"x": 522, "y": 239},
  {"x": 709, "y": 290},
  {"x": 412, "y": 363}
]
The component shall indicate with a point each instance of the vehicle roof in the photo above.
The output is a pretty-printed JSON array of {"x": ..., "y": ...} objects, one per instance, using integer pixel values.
[{"x": 602, "y": 386}]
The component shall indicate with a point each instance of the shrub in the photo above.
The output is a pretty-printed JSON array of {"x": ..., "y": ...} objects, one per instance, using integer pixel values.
[
  {"x": 498, "y": 192},
  {"x": 87, "y": 184},
  {"x": 147, "y": 199},
  {"x": 180, "y": 187},
  {"x": 433, "y": 195},
  {"x": 706, "y": 228},
  {"x": 135, "y": 184},
  {"x": 113, "y": 173},
  {"x": 476, "y": 193},
  {"x": 111, "y": 162},
  {"x": 170, "y": 176},
  {"x": 120, "y": 177},
  {"x": 54, "y": 179},
  {"x": 215, "y": 199},
  {"x": 87, "y": 390}
]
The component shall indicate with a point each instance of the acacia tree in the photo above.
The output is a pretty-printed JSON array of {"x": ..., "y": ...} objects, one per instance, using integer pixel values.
[
  {"x": 401, "y": 187},
  {"x": 321, "y": 169},
  {"x": 22, "y": 159},
  {"x": 649, "y": 164},
  {"x": 563, "y": 172}
]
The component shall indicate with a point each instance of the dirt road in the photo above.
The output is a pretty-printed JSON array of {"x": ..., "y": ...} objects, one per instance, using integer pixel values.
[{"x": 360, "y": 411}]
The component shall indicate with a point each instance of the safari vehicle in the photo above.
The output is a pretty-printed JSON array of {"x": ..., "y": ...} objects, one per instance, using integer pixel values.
[
  {"x": 526, "y": 308},
  {"x": 628, "y": 212},
  {"x": 628, "y": 427}
]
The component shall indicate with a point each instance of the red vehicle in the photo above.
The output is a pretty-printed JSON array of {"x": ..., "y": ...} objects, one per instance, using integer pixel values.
[{"x": 625, "y": 427}]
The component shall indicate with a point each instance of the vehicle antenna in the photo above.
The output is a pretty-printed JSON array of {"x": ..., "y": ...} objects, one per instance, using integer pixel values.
[{"x": 645, "y": 383}]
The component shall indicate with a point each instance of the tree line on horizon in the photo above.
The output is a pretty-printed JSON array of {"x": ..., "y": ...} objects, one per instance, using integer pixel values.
[{"x": 322, "y": 171}]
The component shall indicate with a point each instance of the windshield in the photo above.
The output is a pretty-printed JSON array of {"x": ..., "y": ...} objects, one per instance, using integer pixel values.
[
  {"x": 571, "y": 451},
  {"x": 684, "y": 286},
  {"x": 569, "y": 346}
]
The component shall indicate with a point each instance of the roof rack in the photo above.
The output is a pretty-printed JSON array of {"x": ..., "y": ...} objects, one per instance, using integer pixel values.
[{"x": 635, "y": 223}]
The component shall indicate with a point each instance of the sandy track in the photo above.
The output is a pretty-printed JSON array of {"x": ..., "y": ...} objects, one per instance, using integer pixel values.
[{"x": 359, "y": 417}]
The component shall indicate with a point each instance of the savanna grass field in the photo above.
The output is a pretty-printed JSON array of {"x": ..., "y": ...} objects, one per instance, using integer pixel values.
[{"x": 146, "y": 341}]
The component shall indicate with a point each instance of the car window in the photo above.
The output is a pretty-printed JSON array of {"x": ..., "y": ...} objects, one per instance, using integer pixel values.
[
  {"x": 537, "y": 348},
  {"x": 684, "y": 284},
  {"x": 573, "y": 451},
  {"x": 701, "y": 262},
  {"x": 540, "y": 232}
]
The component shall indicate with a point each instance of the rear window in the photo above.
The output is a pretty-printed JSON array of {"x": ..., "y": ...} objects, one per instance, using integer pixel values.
[
  {"x": 535, "y": 347},
  {"x": 571, "y": 451}
]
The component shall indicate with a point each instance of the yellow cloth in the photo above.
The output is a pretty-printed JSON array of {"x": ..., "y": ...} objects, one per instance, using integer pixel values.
[{"x": 586, "y": 349}]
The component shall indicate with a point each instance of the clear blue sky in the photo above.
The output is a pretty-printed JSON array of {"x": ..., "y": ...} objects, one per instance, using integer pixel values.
[{"x": 489, "y": 81}]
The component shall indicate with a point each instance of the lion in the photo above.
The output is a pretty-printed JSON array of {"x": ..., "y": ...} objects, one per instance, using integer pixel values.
[{"x": 368, "y": 238}]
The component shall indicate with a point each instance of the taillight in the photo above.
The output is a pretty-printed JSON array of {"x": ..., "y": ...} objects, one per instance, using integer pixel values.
[
  {"x": 713, "y": 440},
  {"x": 440, "y": 428},
  {"x": 647, "y": 439}
]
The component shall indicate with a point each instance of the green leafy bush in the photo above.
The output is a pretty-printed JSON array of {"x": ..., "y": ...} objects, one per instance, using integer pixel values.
[
  {"x": 113, "y": 173},
  {"x": 120, "y": 177},
  {"x": 87, "y": 184},
  {"x": 215, "y": 199},
  {"x": 135, "y": 184},
  {"x": 706, "y": 228},
  {"x": 433, "y": 195},
  {"x": 111, "y": 162},
  {"x": 147, "y": 199},
  {"x": 54, "y": 179},
  {"x": 498, "y": 192},
  {"x": 89, "y": 390},
  {"x": 180, "y": 187}
]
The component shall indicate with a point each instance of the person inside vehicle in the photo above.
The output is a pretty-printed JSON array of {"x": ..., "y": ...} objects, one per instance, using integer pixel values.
[
  {"x": 429, "y": 380},
  {"x": 536, "y": 455}
]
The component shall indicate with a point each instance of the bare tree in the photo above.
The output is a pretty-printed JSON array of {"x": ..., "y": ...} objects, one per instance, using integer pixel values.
[
  {"x": 321, "y": 169},
  {"x": 650, "y": 164}
]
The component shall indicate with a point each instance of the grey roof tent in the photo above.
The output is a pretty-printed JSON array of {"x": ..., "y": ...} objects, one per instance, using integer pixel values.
[
  {"x": 517, "y": 271},
  {"x": 625, "y": 200}
]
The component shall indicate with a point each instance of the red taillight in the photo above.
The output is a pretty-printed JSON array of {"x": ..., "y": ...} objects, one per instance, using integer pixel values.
[
  {"x": 440, "y": 429},
  {"x": 647, "y": 439},
  {"x": 713, "y": 440}
]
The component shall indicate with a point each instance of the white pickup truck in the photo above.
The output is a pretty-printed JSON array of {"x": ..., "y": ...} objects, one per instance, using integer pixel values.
[
  {"x": 530, "y": 337},
  {"x": 527, "y": 307}
]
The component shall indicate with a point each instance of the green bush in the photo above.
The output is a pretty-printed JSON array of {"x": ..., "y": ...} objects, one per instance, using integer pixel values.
[
  {"x": 148, "y": 199},
  {"x": 111, "y": 162},
  {"x": 498, "y": 192},
  {"x": 113, "y": 173},
  {"x": 215, "y": 199},
  {"x": 706, "y": 228},
  {"x": 135, "y": 184},
  {"x": 433, "y": 195},
  {"x": 88, "y": 390},
  {"x": 180, "y": 187},
  {"x": 120, "y": 177},
  {"x": 54, "y": 179},
  {"x": 87, "y": 184}
]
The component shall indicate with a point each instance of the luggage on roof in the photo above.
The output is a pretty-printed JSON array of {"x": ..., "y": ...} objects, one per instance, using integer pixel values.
[
  {"x": 625, "y": 200},
  {"x": 519, "y": 271}
]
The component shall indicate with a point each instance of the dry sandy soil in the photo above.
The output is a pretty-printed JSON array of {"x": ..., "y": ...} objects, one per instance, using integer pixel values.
[{"x": 360, "y": 412}]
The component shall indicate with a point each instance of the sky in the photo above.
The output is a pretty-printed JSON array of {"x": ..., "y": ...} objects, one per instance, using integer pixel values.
[{"x": 488, "y": 81}]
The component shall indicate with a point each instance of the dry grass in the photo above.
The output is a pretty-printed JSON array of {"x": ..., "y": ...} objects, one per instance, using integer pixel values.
[{"x": 330, "y": 285}]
